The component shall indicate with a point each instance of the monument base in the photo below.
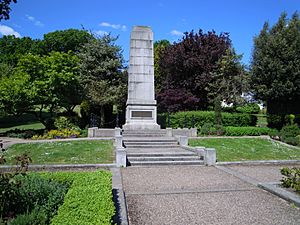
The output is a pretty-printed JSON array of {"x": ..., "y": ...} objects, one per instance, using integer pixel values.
[{"x": 141, "y": 117}]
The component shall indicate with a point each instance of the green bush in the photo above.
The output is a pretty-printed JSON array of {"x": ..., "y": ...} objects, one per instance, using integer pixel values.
[
  {"x": 35, "y": 217},
  {"x": 203, "y": 117},
  {"x": 251, "y": 108},
  {"x": 25, "y": 134},
  {"x": 247, "y": 131},
  {"x": 279, "y": 120},
  {"x": 31, "y": 198},
  {"x": 289, "y": 133},
  {"x": 63, "y": 122},
  {"x": 291, "y": 179},
  {"x": 89, "y": 199}
]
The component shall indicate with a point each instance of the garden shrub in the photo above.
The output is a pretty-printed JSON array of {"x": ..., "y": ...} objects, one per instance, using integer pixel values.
[
  {"x": 291, "y": 179},
  {"x": 251, "y": 108},
  {"x": 25, "y": 134},
  {"x": 279, "y": 120},
  {"x": 202, "y": 117},
  {"x": 57, "y": 134},
  {"x": 247, "y": 131},
  {"x": 35, "y": 199},
  {"x": 289, "y": 133},
  {"x": 63, "y": 122},
  {"x": 89, "y": 199}
]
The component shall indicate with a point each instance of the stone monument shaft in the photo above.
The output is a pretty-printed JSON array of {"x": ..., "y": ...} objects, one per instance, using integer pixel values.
[{"x": 141, "y": 104}]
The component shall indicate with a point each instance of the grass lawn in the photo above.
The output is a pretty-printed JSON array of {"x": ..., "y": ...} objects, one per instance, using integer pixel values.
[
  {"x": 239, "y": 149},
  {"x": 71, "y": 152},
  {"x": 261, "y": 120},
  {"x": 33, "y": 126}
]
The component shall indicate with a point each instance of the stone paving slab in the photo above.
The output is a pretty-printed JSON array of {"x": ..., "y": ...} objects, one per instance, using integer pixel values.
[
  {"x": 236, "y": 207},
  {"x": 262, "y": 173},
  {"x": 177, "y": 178}
]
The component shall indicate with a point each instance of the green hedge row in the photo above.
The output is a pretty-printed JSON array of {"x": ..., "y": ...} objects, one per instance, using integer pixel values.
[
  {"x": 247, "y": 131},
  {"x": 88, "y": 200},
  {"x": 203, "y": 117}
]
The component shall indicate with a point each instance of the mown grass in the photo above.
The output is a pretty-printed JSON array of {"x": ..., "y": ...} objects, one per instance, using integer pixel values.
[
  {"x": 240, "y": 149},
  {"x": 31, "y": 126},
  {"x": 64, "y": 152}
]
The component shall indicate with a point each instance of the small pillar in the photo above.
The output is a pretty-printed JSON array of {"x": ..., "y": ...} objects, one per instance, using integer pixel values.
[
  {"x": 210, "y": 156},
  {"x": 92, "y": 132},
  {"x": 169, "y": 132},
  {"x": 121, "y": 159},
  {"x": 183, "y": 140}
]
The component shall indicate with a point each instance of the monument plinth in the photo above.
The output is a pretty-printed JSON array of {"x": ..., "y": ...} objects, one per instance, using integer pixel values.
[{"x": 141, "y": 104}]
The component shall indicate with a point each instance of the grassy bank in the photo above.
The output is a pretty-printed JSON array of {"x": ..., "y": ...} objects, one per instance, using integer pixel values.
[
  {"x": 70, "y": 152},
  {"x": 239, "y": 149}
]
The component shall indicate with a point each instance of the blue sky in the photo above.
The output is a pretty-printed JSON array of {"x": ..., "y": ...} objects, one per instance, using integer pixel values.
[{"x": 169, "y": 19}]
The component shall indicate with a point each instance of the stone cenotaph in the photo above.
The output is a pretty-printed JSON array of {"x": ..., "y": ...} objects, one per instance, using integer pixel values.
[{"x": 141, "y": 104}]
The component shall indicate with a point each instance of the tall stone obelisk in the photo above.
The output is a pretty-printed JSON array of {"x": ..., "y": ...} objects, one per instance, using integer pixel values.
[{"x": 141, "y": 105}]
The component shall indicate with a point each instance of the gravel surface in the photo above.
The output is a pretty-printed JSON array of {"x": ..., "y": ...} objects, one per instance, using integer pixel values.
[
  {"x": 178, "y": 178},
  {"x": 267, "y": 173},
  {"x": 200, "y": 195},
  {"x": 240, "y": 207}
]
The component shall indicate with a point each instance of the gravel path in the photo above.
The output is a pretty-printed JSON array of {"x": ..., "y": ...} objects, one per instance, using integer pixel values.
[{"x": 200, "y": 195}]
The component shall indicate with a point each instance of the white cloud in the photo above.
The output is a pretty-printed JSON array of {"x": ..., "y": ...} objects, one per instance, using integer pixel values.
[
  {"x": 114, "y": 26},
  {"x": 5, "y": 30},
  {"x": 101, "y": 32},
  {"x": 34, "y": 21},
  {"x": 176, "y": 33}
]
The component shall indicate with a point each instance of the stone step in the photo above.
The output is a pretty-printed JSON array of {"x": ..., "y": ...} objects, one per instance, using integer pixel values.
[
  {"x": 164, "y": 158},
  {"x": 161, "y": 154},
  {"x": 150, "y": 140},
  {"x": 152, "y": 146},
  {"x": 166, "y": 163},
  {"x": 151, "y": 143}
]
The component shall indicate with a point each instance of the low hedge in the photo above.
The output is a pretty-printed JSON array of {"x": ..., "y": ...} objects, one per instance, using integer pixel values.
[
  {"x": 247, "y": 131},
  {"x": 88, "y": 200},
  {"x": 203, "y": 117}
]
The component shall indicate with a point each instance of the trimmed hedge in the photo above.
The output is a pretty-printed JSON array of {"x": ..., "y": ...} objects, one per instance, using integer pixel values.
[
  {"x": 247, "y": 131},
  {"x": 279, "y": 120},
  {"x": 203, "y": 117},
  {"x": 89, "y": 199}
]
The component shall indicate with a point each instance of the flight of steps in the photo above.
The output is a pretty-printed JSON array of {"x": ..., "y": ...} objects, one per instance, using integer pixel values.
[{"x": 153, "y": 147}]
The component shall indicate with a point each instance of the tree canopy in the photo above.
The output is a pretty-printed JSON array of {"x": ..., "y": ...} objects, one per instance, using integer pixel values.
[
  {"x": 191, "y": 65},
  {"x": 5, "y": 8},
  {"x": 276, "y": 65}
]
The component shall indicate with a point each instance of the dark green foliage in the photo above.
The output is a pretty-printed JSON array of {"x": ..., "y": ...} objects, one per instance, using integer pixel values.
[
  {"x": 202, "y": 117},
  {"x": 40, "y": 199},
  {"x": 101, "y": 76},
  {"x": 66, "y": 40},
  {"x": 5, "y": 8},
  {"x": 24, "y": 134},
  {"x": 279, "y": 120},
  {"x": 89, "y": 199},
  {"x": 247, "y": 131},
  {"x": 35, "y": 217},
  {"x": 291, "y": 179},
  {"x": 275, "y": 66},
  {"x": 251, "y": 108},
  {"x": 289, "y": 134}
]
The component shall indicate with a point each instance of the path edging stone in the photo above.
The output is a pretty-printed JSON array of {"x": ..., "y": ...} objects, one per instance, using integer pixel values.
[{"x": 275, "y": 189}]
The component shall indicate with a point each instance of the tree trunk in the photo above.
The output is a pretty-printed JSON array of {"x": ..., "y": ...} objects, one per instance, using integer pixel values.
[{"x": 102, "y": 116}]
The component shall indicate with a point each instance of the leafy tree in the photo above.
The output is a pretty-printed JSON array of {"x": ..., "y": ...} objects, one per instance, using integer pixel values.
[
  {"x": 12, "y": 48},
  {"x": 276, "y": 66},
  {"x": 175, "y": 99},
  {"x": 39, "y": 83},
  {"x": 5, "y": 8},
  {"x": 159, "y": 47},
  {"x": 189, "y": 63},
  {"x": 65, "y": 40},
  {"x": 101, "y": 73},
  {"x": 229, "y": 80}
]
